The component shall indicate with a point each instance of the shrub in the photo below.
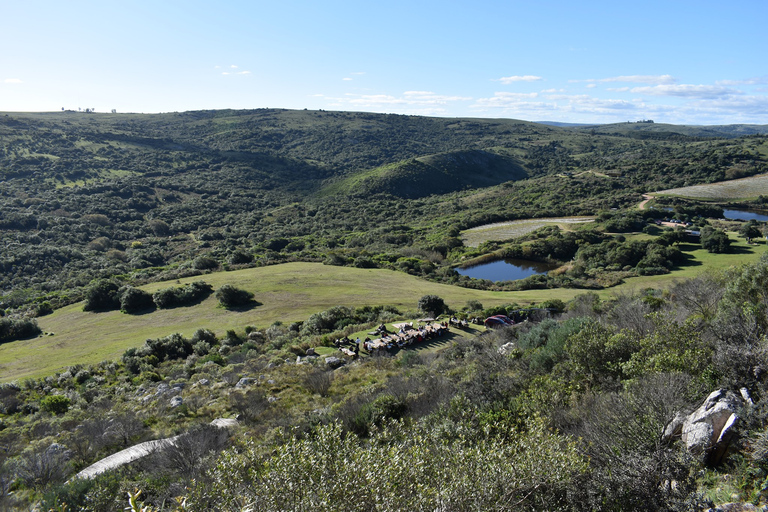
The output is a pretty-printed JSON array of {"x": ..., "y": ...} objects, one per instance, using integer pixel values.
[
  {"x": 55, "y": 404},
  {"x": 231, "y": 297},
  {"x": 133, "y": 300},
  {"x": 12, "y": 329},
  {"x": 103, "y": 295},
  {"x": 205, "y": 263},
  {"x": 186, "y": 295}
]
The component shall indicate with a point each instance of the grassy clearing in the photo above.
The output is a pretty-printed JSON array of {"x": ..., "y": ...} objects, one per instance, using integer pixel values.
[
  {"x": 289, "y": 292},
  {"x": 741, "y": 189},
  {"x": 506, "y": 230},
  {"x": 699, "y": 261}
]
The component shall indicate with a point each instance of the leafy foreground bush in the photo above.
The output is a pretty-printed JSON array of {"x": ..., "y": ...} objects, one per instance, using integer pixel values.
[{"x": 438, "y": 467}]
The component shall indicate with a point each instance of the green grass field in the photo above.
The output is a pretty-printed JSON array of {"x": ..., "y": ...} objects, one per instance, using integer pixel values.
[
  {"x": 741, "y": 189},
  {"x": 506, "y": 230},
  {"x": 289, "y": 292}
]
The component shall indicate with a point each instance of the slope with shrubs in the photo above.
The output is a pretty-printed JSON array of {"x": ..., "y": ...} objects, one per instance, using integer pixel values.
[{"x": 558, "y": 414}]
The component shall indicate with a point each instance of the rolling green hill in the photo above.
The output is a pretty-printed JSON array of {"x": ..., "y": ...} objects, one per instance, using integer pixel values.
[{"x": 433, "y": 174}]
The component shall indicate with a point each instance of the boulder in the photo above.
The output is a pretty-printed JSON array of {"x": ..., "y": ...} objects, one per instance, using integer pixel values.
[
  {"x": 506, "y": 348},
  {"x": 244, "y": 382},
  {"x": 224, "y": 422},
  {"x": 176, "y": 401},
  {"x": 708, "y": 431},
  {"x": 334, "y": 362},
  {"x": 311, "y": 352}
]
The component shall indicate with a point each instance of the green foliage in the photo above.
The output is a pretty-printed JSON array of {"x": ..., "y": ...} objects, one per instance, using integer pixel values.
[
  {"x": 672, "y": 347},
  {"x": 186, "y": 295},
  {"x": 403, "y": 468},
  {"x": 12, "y": 329},
  {"x": 102, "y": 295},
  {"x": 230, "y": 297},
  {"x": 432, "y": 305},
  {"x": 55, "y": 404},
  {"x": 133, "y": 300},
  {"x": 715, "y": 240}
]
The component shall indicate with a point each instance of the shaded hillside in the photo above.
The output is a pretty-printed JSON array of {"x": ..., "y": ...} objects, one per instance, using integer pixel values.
[{"x": 434, "y": 174}]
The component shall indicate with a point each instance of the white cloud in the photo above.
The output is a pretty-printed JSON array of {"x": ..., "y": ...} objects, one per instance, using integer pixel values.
[
  {"x": 512, "y": 79},
  {"x": 750, "y": 81},
  {"x": 236, "y": 73},
  {"x": 591, "y": 86},
  {"x": 641, "y": 79},
  {"x": 233, "y": 66},
  {"x": 638, "y": 79},
  {"x": 686, "y": 91},
  {"x": 347, "y": 79},
  {"x": 12, "y": 81}
]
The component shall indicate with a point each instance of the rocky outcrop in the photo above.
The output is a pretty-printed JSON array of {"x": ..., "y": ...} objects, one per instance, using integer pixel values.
[{"x": 709, "y": 430}]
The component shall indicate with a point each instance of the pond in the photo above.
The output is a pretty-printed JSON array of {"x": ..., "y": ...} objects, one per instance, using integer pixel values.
[
  {"x": 745, "y": 215},
  {"x": 506, "y": 270}
]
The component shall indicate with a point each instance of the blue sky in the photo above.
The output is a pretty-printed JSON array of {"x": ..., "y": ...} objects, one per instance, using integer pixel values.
[{"x": 683, "y": 62}]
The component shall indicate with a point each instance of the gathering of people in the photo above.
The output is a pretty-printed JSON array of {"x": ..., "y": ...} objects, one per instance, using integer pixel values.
[{"x": 402, "y": 335}]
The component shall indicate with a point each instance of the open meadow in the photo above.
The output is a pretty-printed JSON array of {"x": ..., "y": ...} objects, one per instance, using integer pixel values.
[
  {"x": 732, "y": 190},
  {"x": 506, "y": 230},
  {"x": 288, "y": 293}
]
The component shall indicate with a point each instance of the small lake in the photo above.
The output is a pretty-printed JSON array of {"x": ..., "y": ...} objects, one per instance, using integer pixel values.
[
  {"x": 506, "y": 270},
  {"x": 745, "y": 215}
]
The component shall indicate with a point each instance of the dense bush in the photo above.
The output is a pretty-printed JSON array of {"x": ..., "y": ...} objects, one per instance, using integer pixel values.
[
  {"x": 133, "y": 300},
  {"x": 103, "y": 295},
  {"x": 231, "y": 297},
  {"x": 186, "y": 295},
  {"x": 12, "y": 329}
]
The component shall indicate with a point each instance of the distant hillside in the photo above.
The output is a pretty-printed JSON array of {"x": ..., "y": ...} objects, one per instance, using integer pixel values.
[
  {"x": 434, "y": 174},
  {"x": 652, "y": 130}
]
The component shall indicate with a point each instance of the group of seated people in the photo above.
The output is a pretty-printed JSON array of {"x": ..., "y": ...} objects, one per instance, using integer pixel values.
[
  {"x": 406, "y": 335},
  {"x": 459, "y": 323}
]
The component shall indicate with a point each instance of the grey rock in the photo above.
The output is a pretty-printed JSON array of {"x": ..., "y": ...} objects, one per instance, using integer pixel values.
[
  {"x": 334, "y": 362},
  {"x": 311, "y": 352},
  {"x": 176, "y": 401},
  {"x": 225, "y": 422},
  {"x": 203, "y": 382},
  {"x": 506, "y": 348},
  {"x": 708, "y": 431},
  {"x": 244, "y": 382}
]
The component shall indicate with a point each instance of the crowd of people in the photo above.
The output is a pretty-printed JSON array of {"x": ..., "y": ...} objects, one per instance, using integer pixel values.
[{"x": 405, "y": 335}]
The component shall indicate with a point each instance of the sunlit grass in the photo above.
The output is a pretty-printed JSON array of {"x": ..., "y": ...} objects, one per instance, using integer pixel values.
[
  {"x": 745, "y": 188},
  {"x": 506, "y": 230}
]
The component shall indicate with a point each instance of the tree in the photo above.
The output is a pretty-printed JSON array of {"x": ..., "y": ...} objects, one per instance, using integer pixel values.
[
  {"x": 715, "y": 240},
  {"x": 432, "y": 305},
  {"x": 750, "y": 230}
]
